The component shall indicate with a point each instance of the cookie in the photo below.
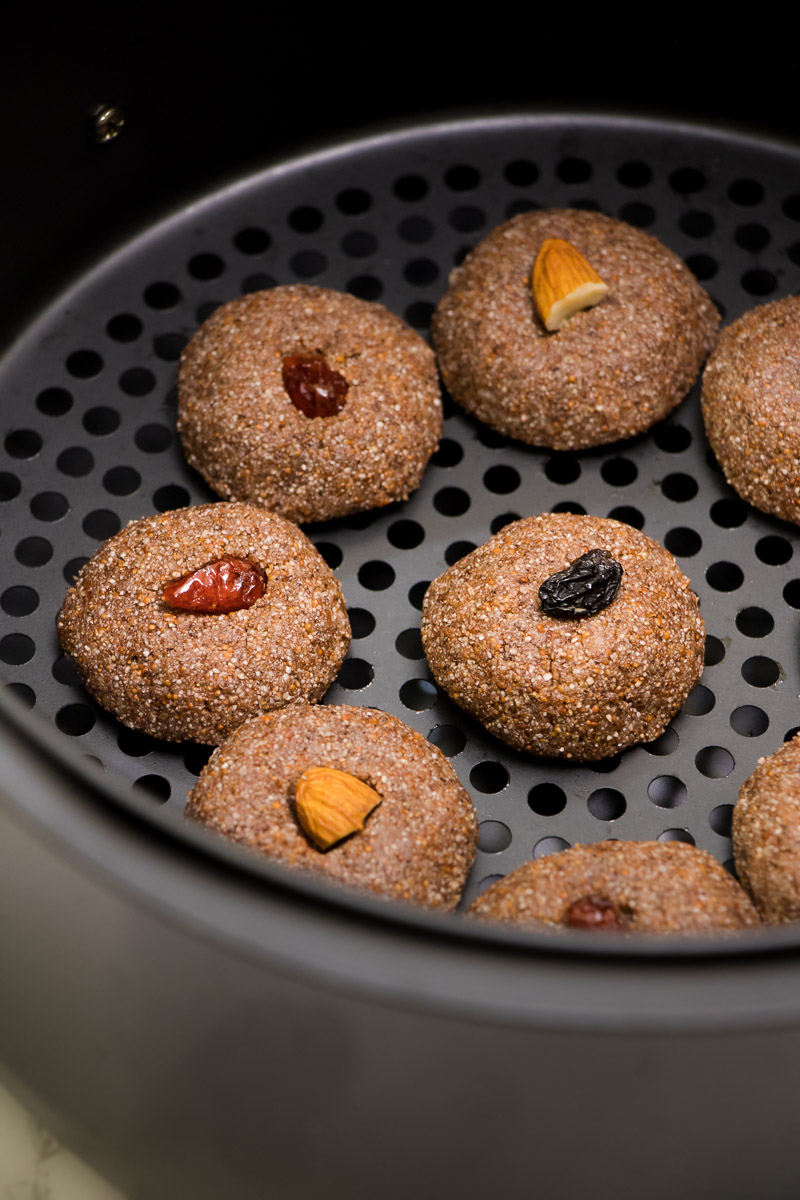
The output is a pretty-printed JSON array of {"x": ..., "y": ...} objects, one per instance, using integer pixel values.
[
  {"x": 621, "y": 887},
  {"x": 572, "y": 683},
  {"x": 751, "y": 406},
  {"x": 181, "y": 673},
  {"x": 766, "y": 834},
  {"x": 308, "y": 402},
  {"x": 608, "y": 372},
  {"x": 416, "y": 845}
]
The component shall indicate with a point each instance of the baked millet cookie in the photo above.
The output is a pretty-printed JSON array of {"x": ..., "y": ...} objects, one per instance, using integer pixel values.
[
  {"x": 766, "y": 834},
  {"x": 566, "y": 636},
  {"x": 621, "y": 887},
  {"x": 186, "y": 623},
  {"x": 309, "y": 402},
  {"x": 751, "y": 406},
  {"x": 351, "y": 794},
  {"x": 606, "y": 372}
]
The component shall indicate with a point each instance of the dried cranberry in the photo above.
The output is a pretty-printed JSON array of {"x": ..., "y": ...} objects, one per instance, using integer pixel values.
[
  {"x": 222, "y": 586},
  {"x": 312, "y": 386},
  {"x": 593, "y": 912}
]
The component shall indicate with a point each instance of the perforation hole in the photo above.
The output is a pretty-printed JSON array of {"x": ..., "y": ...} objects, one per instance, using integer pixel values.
[
  {"x": 54, "y": 402},
  {"x": 696, "y": 224},
  {"x": 162, "y": 295},
  {"x": 75, "y": 462},
  {"x": 746, "y": 192},
  {"x": 376, "y": 575},
  {"x": 634, "y": 174},
  {"x": 75, "y": 719},
  {"x": 365, "y": 287},
  {"x": 501, "y": 480},
  {"x": 33, "y": 552},
  {"x": 502, "y": 520},
  {"x": 355, "y": 674},
  {"x": 493, "y": 837},
  {"x": 687, "y": 180},
  {"x": 748, "y": 720},
  {"x": 562, "y": 468},
  {"x": 101, "y": 523},
  {"x": 451, "y": 501},
  {"x": 759, "y": 282},
  {"x": 547, "y": 799},
  {"x": 667, "y": 743},
  {"x": 489, "y": 777},
  {"x": 155, "y": 786},
  {"x": 760, "y": 671},
  {"x": 725, "y": 576},
  {"x": 679, "y": 487},
  {"x": 639, "y": 214},
  {"x": 330, "y": 552},
  {"x": 170, "y": 496},
  {"x": 416, "y": 593},
  {"x": 677, "y": 835},
  {"x": 457, "y": 550},
  {"x": 23, "y": 443},
  {"x": 307, "y": 264},
  {"x": 569, "y": 506},
  {"x": 122, "y": 481},
  {"x": 49, "y": 506},
  {"x": 667, "y": 791},
  {"x": 462, "y": 177},
  {"x": 550, "y": 845},
  {"x": 628, "y": 515},
  {"x": 409, "y": 644},
  {"x": 702, "y": 266},
  {"x": 574, "y": 170},
  {"x": 774, "y": 550},
  {"x": 673, "y": 439},
  {"x": 755, "y": 622},
  {"x": 521, "y": 172},
  {"x": 729, "y": 514},
  {"x": 449, "y": 454},
  {"x": 715, "y": 762},
  {"x": 25, "y": 695},
  {"x": 252, "y": 240},
  {"x": 84, "y": 364},
  {"x": 419, "y": 313},
  {"x": 606, "y": 804},
  {"x": 418, "y": 694},
  {"x": 448, "y": 738},
  {"x": 411, "y": 188},
  {"x": 714, "y": 651},
  {"x": 683, "y": 542},
  {"x": 205, "y": 266},
  {"x": 101, "y": 421},
  {"x": 699, "y": 702},
  {"x": 19, "y": 601}
]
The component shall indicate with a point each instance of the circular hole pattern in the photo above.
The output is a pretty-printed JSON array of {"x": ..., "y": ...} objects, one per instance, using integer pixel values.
[
  {"x": 679, "y": 487},
  {"x": 355, "y": 674},
  {"x": 153, "y": 439},
  {"x": 488, "y": 777},
  {"x": 457, "y": 550},
  {"x": 196, "y": 757},
  {"x": 448, "y": 738},
  {"x": 306, "y": 264},
  {"x": 759, "y": 282},
  {"x": 376, "y": 575},
  {"x": 170, "y": 496},
  {"x": 75, "y": 461},
  {"x": 366, "y": 287},
  {"x": 161, "y": 295},
  {"x": 667, "y": 791},
  {"x": 125, "y": 327},
  {"x": 774, "y": 550},
  {"x": 715, "y": 762},
  {"x": 501, "y": 480},
  {"x": 33, "y": 552},
  {"x": 24, "y": 694},
  {"x": 19, "y": 601},
  {"x": 411, "y": 188},
  {"x": 676, "y": 835},
  {"x": 418, "y": 694},
  {"x": 729, "y": 514},
  {"x": 84, "y": 364},
  {"x": 549, "y": 845},
  {"x": 755, "y": 622},
  {"x": 205, "y": 266},
  {"x": 330, "y": 552},
  {"x": 449, "y": 453},
  {"x": 638, "y": 214},
  {"x": 700, "y": 701},
  {"x": 725, "y": 576},
  {"x": 547, "y": 799},
  {"x": 462, "y": 177},
  {"x": 521, "y": 172},
  {"x": 451, "y": 501},
  {"x": 714, "y": 651},
  {"x": 305, "y": 219},
  {"x": 760, "y": 671},
  {"x": 101, "y": 523},
  {"x": 101, "y": 421},
  {"x": 749, "y": 721},
  {"x": 122, "y": 481},
  {"x": 673, "y": 439},
  {"x": 154, "y": 785},
  {"x": 628, "y": 515},
  {"x": 687, "y": 180},
  {"x": 16, "y": 649},
  {"x": 666, "y": 743},
  {"x": 75, "y": 719},
  {"x": 562, "y": 468},
  {"x": 23, "y": 443},
  {"x": 409, "y": 644},
  {"x": 137, "y": 381},
  {"x": 720, "y": 819},
  {"x": 49, "y": 506},
  {"x": 416, "y": 593},
  {"x": 746, "y": 192},
  {"x": 10, "y": 486},
  {"x": 696, "y": 224},
  {"x": 493, "y": 836},
  {"x": 252, "y": 240},
  {"x": 619, "y": 472},
  {"x": 54, "y": 402},
  {"x": 362, "y": 622},
  {"x": 791, "y": 593},
  {"x": 683, "y": 542},
  {"x": 606, "y": 804}
]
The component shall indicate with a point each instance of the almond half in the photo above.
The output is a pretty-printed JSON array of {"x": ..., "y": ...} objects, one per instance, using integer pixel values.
[
  {"x": 331, "y": 804},
  {"x": 564, "y": 282}
]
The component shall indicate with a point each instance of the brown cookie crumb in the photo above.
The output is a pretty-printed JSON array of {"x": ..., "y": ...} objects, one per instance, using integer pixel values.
[{"x": 766, "y": 834}]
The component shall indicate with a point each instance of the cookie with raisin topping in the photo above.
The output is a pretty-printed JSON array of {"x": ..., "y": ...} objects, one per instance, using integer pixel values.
[{"x": 309, "y": 402}]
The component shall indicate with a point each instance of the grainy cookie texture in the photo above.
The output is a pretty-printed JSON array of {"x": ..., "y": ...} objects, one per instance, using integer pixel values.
[
  {"x": 766, "y": 834},
  {"x": 751, "y": 406},
  {"x": 652, "y": 887},
  {"x": 582, "y": 688},
  {"x": 609, "y": 372},
  {"x": 178, "y": 674},
  {"x": 417, "y": 845},
  {"x": 242, "y": 432}
]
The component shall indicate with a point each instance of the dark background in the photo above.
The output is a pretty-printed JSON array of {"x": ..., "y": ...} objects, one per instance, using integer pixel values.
[{"x": 208, "y": 99}]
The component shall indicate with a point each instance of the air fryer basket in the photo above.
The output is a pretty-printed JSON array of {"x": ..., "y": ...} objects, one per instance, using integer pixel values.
[
  {"x": 89, "y": 443},
  {"x": 198, "y": 1023}
]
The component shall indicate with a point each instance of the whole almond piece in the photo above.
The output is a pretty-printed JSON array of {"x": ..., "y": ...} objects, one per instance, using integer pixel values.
[
  {"x": 564, "y": 282},
  {"x": 332, "y": 804}
]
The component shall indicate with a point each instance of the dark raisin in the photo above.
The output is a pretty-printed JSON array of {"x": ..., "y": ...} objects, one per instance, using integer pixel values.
[
  {"x": 593, "y": 912},
  {"x": 312, "y": 387},
  {"x": 222, "y": 586},
  {"x": 588, "y": 585}
]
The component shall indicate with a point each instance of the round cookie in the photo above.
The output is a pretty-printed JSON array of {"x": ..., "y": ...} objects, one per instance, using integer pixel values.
[
  {"x": 766, "y": 834},
  {"x": 751, "y": 406},
  {"x": 244, "y": 434},
  {"x": 622, "y": 887},
  {"x": 561, "y": 686},
  {"x": 417, "y": 845},
  {"x": 609, "y": 372},
  {"x": 184, "y": 674}
]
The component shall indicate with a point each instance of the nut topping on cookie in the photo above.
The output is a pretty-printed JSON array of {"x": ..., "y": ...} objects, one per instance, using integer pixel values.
[
  {"x": 564, "y": 282},
  {"x": 222, "y": 586},
  {"x": 332, "y": 804}
]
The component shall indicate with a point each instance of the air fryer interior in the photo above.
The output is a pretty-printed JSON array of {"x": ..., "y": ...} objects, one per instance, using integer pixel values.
[{"x": 89, "y": 444}]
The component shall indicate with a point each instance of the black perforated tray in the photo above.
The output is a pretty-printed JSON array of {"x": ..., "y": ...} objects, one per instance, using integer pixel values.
[{"x": 88, "y": 443}]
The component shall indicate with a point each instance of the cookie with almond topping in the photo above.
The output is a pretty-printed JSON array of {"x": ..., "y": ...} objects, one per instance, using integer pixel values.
[
  {"x": 518, "y": 349},
  {"x": 414, "y": 838}
]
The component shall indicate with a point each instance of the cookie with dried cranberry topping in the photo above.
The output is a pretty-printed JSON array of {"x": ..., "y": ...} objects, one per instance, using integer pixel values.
[
  {"x": 751, "y": 406},
  {"x": 310, "y": 402},
  {"x": 417, "y": 844},
  {"x": 621, "y": 887},
  {"x": 197, "y": 671},
  {"x": 610, "y": 371},
  {"x": 566, "y": 636},
  {"x": 766, "y": 834}
]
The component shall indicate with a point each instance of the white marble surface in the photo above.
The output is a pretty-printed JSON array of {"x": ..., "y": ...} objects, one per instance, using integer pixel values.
[{"x": 33, "y": 1166}]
